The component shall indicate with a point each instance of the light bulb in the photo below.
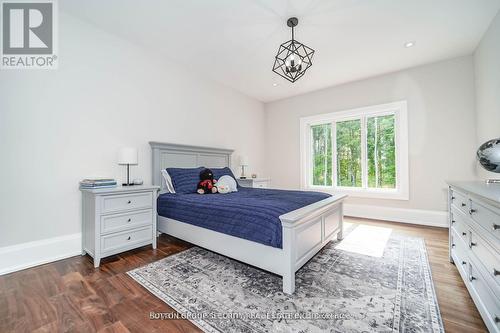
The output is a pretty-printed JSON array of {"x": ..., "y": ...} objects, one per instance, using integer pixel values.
[{"x": 293, "y": 63}]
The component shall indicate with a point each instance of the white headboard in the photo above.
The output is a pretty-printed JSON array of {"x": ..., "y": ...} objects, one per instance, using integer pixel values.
[{"x": 170, "y": 155}]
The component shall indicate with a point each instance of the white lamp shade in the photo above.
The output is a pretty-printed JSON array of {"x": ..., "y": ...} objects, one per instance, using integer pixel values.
[
  {"x": 127, "y": 155},
  {"x": 243, "y": 160}
]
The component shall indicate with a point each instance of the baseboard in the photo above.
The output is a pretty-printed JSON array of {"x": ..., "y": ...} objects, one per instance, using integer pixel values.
[
  {"x": 434, "y": 218},
  {"x": 21, "y": 256}
]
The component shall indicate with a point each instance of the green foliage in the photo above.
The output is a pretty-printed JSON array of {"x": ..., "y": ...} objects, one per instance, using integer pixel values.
[
  {"x": 381, "y": 151},
  {"x": 322, "y": 154},
  {"x": 349, "y": 153}
]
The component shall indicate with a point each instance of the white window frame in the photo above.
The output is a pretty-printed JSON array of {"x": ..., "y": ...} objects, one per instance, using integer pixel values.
[{"x": 400, "y": 111}]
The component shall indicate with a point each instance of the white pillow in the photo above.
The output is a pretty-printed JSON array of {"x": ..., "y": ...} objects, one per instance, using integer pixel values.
[
  {"x": 229, "y": 182},
  {"x": 168, "y": 181}
]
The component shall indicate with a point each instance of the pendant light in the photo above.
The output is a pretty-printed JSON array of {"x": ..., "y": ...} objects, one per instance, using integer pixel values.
[{"x": 293, "y": 58}]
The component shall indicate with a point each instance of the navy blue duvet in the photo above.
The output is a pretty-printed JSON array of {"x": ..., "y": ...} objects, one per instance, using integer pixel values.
[{"x": 250, "y": 213}]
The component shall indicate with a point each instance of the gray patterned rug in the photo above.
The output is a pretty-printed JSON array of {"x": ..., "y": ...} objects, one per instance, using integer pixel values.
[{"x": 336, "y": 291}]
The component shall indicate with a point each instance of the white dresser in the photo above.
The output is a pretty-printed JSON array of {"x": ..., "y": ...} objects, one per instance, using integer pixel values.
[
  {"x": 118, "y": 219},
  {"x": 254, "y": 182},
  {"x": 474, "y": 217}
]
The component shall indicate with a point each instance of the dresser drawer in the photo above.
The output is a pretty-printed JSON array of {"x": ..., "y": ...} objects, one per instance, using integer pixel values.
[
  {"x": 261, "y": 184},
  {"x": 125, "y": 239},
  {"x": 460, "y": 200},
  {"x": 487, "y": 256},
  {"x": 458, "y": 224},
  {"x": 124, "y": 221},
  {"x": 491, "y": 303},
  {"x": 486, "y": 218},
  {"x": 459, "y": 249},
  {"x": 118, "y": 203}
]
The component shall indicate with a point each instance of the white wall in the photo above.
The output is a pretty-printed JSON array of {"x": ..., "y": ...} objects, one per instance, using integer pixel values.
[
  {"x": 487, "y": 70},
  {"x": 442, "y": 138},
  {"x": 57, "y": 127}
]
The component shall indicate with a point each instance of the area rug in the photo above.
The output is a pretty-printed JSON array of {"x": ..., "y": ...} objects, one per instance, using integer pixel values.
[{"x": 336, "y": 291}]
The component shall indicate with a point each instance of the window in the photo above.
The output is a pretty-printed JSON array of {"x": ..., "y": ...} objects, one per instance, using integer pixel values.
[
  {"x": 381, "y": 151},
  {"x": 362, "y": 152},
  {"x": 322, "y": 154},
  {"x": 348, "y": 138}
]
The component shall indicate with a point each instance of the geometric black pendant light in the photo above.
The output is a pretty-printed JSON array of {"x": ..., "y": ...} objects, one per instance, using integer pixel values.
[{"x": 293, "y": 58}]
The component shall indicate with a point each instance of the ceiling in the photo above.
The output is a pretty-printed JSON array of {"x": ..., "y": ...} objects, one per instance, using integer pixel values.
[{"x": 234, "y": 41}]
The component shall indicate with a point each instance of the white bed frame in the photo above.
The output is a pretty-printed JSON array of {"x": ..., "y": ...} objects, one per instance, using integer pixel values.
[{"x": 305, "y": 230}]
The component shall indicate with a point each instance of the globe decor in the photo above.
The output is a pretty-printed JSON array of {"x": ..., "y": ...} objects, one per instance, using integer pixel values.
[
  {"x": 293, "y": 58},
  {"x": 488, "y": 156}
]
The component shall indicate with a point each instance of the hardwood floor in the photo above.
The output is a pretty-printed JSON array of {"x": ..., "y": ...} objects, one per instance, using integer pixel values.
[{"x": 70, "y": 295}]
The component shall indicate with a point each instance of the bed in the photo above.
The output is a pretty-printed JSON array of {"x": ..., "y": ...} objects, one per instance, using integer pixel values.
[{"x": 275, "y": 230}]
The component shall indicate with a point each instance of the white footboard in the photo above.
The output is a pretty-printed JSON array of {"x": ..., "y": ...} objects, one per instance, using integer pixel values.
[{"x": 306, "y": 231}]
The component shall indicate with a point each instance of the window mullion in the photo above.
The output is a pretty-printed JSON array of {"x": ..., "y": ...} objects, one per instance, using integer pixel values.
[
  {"x": 364, "y": 154},
  {"x": 310, "y": 154},
  {"x": 334, "y": 154},
  {"x": 396, "y": 150}
]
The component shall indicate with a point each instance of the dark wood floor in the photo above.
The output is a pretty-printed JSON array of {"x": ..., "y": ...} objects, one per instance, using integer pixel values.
[{"x": 70, "y": 295}]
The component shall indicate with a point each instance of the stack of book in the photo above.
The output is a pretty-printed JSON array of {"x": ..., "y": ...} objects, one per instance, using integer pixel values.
[{"x": 98, "y": 183}]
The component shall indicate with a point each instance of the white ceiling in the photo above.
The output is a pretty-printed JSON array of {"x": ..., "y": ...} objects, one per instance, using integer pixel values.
[{"x": 234, "y": 41}]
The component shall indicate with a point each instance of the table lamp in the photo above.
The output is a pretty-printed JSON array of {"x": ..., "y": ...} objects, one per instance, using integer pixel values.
[
  {"x": 243, "y": 163},
  {"x": 127, "y": 156}
]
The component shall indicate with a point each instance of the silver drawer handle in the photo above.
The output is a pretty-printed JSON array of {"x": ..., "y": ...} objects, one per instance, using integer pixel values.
[
  {"x": 471, "y": 243},
  {"x": 496, "y": 272},
  {"x": 496, "y": 226},
  {"x": 128, "y": 238}
]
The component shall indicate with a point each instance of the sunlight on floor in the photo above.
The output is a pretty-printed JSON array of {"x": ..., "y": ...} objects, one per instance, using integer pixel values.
[{"x": 366, "y": 240}]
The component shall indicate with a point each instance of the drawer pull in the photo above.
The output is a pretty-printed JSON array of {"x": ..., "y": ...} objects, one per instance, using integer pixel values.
[
  {"x": 464, "y": 234},
  {"x": 453, "y": 198},
  {"x": 463, "y": 204},
  {"x": 129, "y": 202},
  {"x": 472, "y": 211},
  {"x": 496, "y": 272},
  {"x": 453, "y": 221},
  {"x": 129, "y": 220},
  {"x": 464, "y": 262},
  {"x": 452, "y": 245},
  {"x": 128, "y": 238},
  {"x": 496, "y": 226},
  {"x": 471, "y": 244},
  {"x": 497, "y": 319},
  {"x": 472, "y": 278}
]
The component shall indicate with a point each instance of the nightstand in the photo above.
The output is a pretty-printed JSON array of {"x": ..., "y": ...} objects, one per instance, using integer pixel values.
[
  {"x": 117, "y": 220},
  {"x": 254, "y": 182}
]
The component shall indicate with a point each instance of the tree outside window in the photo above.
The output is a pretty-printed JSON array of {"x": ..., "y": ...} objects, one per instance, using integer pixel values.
[{"x": 380, "y": 153}]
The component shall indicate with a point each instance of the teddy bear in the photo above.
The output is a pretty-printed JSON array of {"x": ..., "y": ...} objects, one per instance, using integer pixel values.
[{"x": 207, "y": 182}]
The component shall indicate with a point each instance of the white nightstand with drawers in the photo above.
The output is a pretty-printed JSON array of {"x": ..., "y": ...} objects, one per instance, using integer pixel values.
[
  {"x": 117, "y": 220},
  {"x": 254, "y": 182}
]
